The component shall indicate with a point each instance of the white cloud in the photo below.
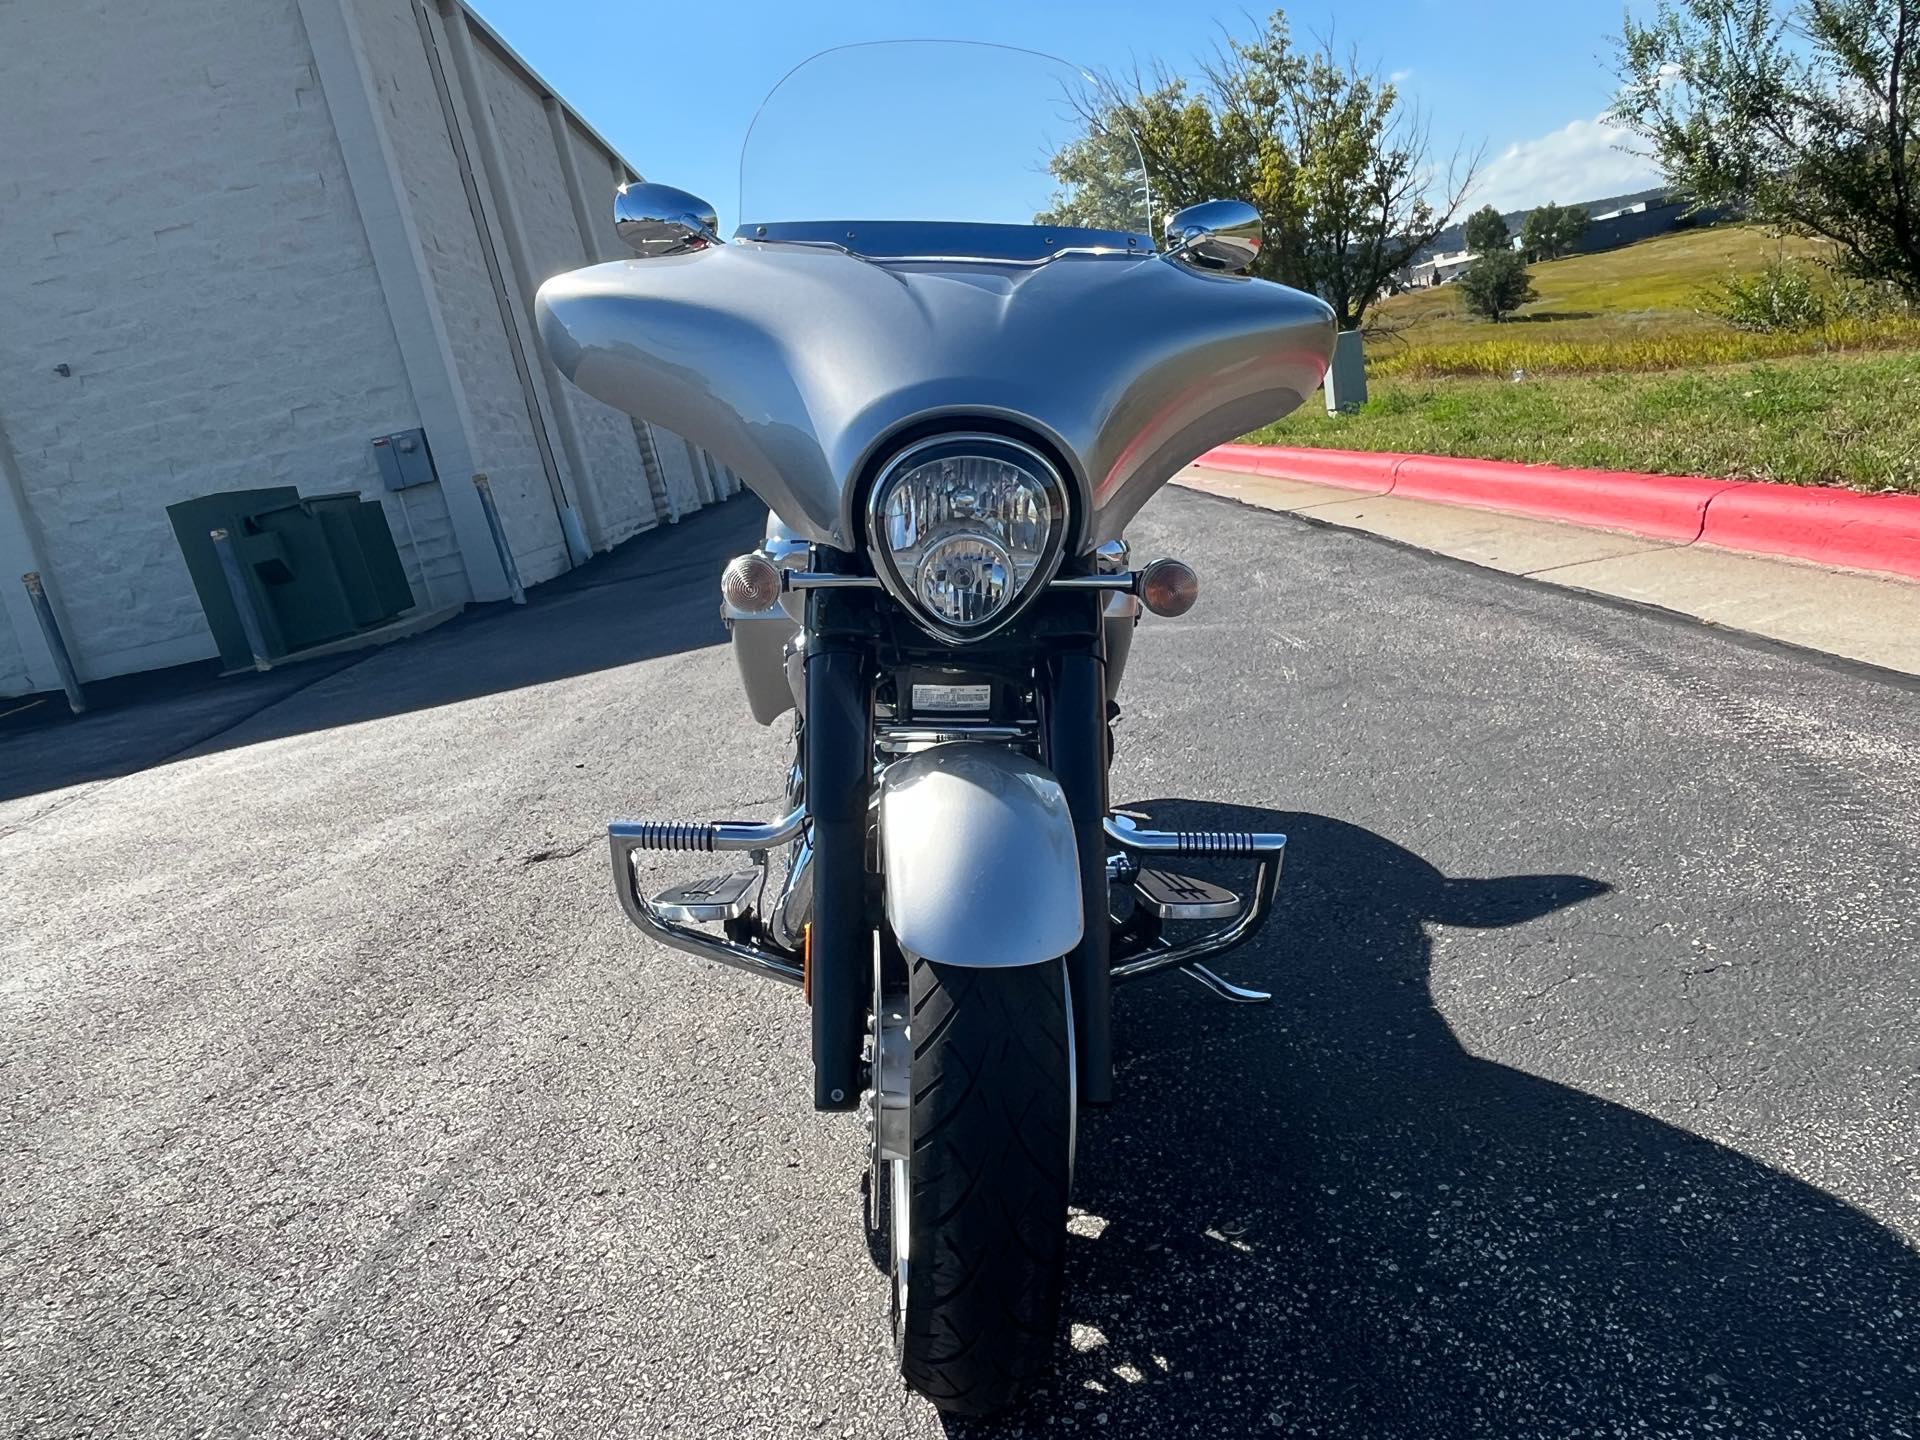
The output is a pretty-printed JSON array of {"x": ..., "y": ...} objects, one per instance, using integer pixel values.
[
  {"x": 1584, "y": 160},
  {"x": 1400, "y": 77}
]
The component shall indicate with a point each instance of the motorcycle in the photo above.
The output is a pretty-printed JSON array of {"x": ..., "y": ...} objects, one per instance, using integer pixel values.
[{"x": 952, "y": 412}]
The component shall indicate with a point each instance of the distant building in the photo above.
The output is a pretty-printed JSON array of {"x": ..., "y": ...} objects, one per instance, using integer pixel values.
[
  {"x": 1436, "y": 269},
  {"x": 246, "y": 239},
  {"x": 1613, "y": 222},
  {"x": 1642, "y": 220}
]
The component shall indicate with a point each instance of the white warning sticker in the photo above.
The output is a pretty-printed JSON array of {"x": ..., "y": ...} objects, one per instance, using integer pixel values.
[{"x": 952, "y": 697}]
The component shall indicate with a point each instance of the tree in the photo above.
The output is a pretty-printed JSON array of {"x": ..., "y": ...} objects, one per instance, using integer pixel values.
[
  {"x": 1487, "y": 230},
  {"x": 1552, "y": 230},
  {"x": 1571, "y": 230},
  {"x": 1336, "y": 164},
  {"x": 1496, "y": 283},
  {"x": 1539, "y": 232},
  {"x": 1802, "y": 112}
]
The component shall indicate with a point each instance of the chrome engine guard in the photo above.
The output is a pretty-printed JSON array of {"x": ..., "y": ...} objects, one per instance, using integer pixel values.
[
  {"x": 1132, "y": 844},
  {"x": 626, "y": 838},
  {"x": 1266, "y": 850}
]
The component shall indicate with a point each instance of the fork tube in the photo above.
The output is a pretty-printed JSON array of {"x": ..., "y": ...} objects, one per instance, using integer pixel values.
[
  {"x": 839, "y": 761},
  {"x": 1077, "y": 754}
]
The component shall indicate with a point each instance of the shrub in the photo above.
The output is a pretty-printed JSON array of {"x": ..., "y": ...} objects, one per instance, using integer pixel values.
[
  {"x": 1496, "y": 283},
  {"x": 1867, "y": 300},
  {"x": 1783, "y": 295}
]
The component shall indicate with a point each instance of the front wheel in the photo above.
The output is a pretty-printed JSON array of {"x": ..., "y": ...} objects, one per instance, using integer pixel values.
[{"x": 978, "y": 1208}]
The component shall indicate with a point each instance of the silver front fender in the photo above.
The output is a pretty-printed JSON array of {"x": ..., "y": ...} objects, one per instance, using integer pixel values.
[{"x": 979, "y": 857}]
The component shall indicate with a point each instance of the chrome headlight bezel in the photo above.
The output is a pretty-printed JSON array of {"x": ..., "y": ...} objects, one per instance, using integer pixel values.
[{"x": 968, "y": 444}]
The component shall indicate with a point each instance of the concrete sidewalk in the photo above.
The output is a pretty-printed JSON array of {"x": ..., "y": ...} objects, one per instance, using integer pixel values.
[{"x": 1862, "y": 617}]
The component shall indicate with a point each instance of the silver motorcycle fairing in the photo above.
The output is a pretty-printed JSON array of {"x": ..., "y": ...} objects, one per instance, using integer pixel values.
[
  {"x": 760, "y": 639},
  {"x": 981, "y": 866},
  {"x": 795, "y": 363}
]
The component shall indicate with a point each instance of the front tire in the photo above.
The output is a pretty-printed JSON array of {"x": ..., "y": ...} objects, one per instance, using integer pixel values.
[{"x": 978, "y": 1290}]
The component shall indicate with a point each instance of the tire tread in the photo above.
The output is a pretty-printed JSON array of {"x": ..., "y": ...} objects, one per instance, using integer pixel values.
[{"x": 989, "y": 1182}]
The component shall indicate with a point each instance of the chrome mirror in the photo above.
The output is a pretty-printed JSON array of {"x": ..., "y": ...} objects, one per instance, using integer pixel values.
[
  {"x": 1215, "y": 235},
  {"x": 659, "y": 220}
]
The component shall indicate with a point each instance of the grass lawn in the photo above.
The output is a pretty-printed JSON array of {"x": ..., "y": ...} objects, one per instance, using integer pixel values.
[
  {"x": 1616, "y": 367},
  {"x": 1652, "y": 284},
  {"x": 1810, "y": 420},
  {"x": 1635, "y": 308}
]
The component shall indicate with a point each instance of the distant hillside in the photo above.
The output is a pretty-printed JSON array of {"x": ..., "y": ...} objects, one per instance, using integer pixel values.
[
  {"x": 1647, "y": 291},
  {"x": 1454, "y": 236}
]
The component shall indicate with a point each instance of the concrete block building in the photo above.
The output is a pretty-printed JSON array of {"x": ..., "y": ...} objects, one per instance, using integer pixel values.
[{"x": 242, "y": 240}]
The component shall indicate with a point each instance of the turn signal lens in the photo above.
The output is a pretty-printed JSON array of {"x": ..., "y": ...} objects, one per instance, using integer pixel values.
[
  {"x": 1169, "y": 587},
  {"x": 751, "y": 583}
]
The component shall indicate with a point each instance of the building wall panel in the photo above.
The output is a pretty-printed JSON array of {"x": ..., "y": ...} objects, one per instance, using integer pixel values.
[
  {"x": 504, "y": 445},
  {"x": 180, "y": 233},
  {"x": 607, "y": 444},
  {"x": 13, "y": 664}
]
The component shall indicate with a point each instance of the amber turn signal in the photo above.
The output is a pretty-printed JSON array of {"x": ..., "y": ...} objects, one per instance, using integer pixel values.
[
  {"x": 751, "y": 583},
  {"x": 1169, "y": 587}
]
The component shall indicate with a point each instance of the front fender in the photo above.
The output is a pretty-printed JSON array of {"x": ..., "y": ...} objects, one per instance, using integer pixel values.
[{"x": 979, "y": 856}]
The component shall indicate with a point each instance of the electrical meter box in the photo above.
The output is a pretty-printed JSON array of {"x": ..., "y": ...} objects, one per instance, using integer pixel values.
[
  {"x": 404, "y": 459},
  {"x": 1346, "y": 383}
]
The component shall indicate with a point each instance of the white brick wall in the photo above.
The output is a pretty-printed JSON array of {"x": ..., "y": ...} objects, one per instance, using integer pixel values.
[
  {"x": 13, "y": 665},
  {"x": 676, "y": 458},
  {"x": 503, "y": 436},
  {"x": 179, "y": 230},
  {"x": 178, "y": 226},
  {"x": 612, "y": 456}
]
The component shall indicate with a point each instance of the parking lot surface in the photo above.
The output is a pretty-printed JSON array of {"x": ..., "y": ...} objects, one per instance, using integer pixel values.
[{"x": 340, "y": 1098}]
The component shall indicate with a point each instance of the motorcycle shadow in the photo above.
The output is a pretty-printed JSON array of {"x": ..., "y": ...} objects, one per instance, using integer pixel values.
[{"x": 1324, "y": 1216}]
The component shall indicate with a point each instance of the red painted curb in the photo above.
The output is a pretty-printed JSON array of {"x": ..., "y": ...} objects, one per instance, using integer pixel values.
[
  {"x": 1662, "y": 507},
  {"x": 1347, "y": 469},
  {"x": 1808, "y": 522},
  {"x": 1834, "y": 527}
]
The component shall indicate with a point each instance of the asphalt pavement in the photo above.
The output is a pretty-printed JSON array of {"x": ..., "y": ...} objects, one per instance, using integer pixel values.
[{"x": 341, "y": 1100}]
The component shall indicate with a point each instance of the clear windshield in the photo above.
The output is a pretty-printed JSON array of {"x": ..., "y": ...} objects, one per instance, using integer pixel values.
[{"x": 940, "y": 130}]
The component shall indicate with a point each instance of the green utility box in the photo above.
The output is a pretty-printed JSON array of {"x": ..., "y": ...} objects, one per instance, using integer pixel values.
[
  {"x": 316, "y": 569},
  {"x": 363, "y": 553}
]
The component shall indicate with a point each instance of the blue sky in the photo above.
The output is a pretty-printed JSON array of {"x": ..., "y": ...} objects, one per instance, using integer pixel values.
[{"x": 675, "y": 85}]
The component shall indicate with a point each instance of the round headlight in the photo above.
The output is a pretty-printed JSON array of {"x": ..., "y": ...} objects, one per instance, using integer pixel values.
[
  {"x": 966, "y": 579},
  {"x": 962, "y": 528}
]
